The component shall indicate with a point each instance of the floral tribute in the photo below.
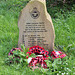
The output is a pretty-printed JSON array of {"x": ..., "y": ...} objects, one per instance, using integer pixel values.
[
  {"x": 14, "y": 49},
  {"x": 57, "y": 54},
  {"x": 14, "y": 56},
  {"x": 39, "y": 59},
  {"x": 42, "y": 55},
  {"x": 38, "y": 51}
]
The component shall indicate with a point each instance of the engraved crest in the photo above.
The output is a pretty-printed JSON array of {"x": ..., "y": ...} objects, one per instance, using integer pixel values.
[{"x": 34, "y": 13}]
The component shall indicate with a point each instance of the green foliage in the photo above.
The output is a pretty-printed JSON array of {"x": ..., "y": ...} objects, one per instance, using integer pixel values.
[
  {"x": 64, "y": 23},
  {"x": 61, "y": 66}
]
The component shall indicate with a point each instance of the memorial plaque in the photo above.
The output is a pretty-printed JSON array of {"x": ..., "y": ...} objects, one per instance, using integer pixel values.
[{"x": 35, "y": 26}]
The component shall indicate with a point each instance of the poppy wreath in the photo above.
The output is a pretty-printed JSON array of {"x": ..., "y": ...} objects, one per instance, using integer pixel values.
[
  {"x": 38, "y": 60},
  {"x": 38, "y": 51},
  {"x": 14, "y": 49},
  {"x": 42, "y": 55},
  {"x": 11, "y": 53},
  {"x": 57, "y": 54}
]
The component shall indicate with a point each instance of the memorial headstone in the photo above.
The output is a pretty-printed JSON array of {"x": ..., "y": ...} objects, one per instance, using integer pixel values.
[{"x": 35, "y": 26}]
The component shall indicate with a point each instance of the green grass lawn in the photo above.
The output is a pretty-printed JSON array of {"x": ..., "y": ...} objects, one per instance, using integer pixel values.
[{"x": 64, "y": 25}]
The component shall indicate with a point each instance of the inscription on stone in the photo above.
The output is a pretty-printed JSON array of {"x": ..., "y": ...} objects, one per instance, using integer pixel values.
[{"x": 35, "y": 26}]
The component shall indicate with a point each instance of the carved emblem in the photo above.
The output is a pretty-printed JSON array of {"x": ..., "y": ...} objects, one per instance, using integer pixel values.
[{"x": 34, "y": 13}]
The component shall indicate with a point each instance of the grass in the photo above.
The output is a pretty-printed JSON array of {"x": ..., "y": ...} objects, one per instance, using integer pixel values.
[{"x": 64, "y": 25}]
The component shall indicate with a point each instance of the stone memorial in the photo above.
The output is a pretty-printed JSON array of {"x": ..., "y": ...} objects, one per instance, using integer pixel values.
[{"x": 35, "y": 26}]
